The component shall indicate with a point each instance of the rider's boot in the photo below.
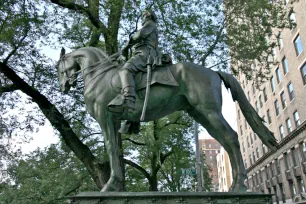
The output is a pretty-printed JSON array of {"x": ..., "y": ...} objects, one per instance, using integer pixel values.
[
  {"x": 125, "y": 100},
  {"x": 128, "y": 89}
]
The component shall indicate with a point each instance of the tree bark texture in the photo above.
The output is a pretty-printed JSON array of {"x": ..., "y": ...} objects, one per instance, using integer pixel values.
[{"x": 98, "y": 171}]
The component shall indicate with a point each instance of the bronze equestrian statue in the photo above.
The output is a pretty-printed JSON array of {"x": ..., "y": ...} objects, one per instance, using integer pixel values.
[{"x": 174, "y": 87}]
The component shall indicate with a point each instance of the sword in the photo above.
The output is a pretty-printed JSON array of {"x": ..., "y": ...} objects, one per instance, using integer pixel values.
[{"x": 149, "y": 72}]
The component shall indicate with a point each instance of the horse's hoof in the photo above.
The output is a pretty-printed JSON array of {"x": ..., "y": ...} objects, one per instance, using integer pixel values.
[{"x": 238, "y": 189}]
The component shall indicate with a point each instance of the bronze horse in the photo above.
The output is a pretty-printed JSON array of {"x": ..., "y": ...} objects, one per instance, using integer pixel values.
[{"x": 198, "y": 93}]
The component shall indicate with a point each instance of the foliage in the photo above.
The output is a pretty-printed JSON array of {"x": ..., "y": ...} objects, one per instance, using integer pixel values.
[
  {"x": 159, "y": 152},
  {"x": 45, "y": 176},
  {"x": 251, "y": 28}
]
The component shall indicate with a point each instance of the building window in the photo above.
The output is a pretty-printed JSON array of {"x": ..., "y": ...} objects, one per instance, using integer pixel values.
[
  {"x": 257, "y": 152},
  {"x": 298, "y": 45},
  {"x": 303, "y": 72},
  {"x": 289, "y": 128},
  {"x": 239, "y": 114},
  {"x": 296, "y": 119},
  {"x": 278, "y": 75},
  {"x": 287, "y": 161},
  {"x": 292, "y": 20},
  {"x": 290, "y": 91},
  {"x": 276, "y": 105},
  {"x": 241, "y": 131},
  {"x": 264, "y": 119},
  {"x": 254, "y": 157},
  {"x": 272, "y": 169},
  {"x": 282, "y": 193},
  {"x": 294, "y": 157},
  {"x": 216, "y": 151},
  {"x": 304, "y": 150},
  {"x": 272, "y": 84},
  {"x": 209, "y": 146},
  {"x": 280, "y": 41},
  {"x": 281, "y": 131},
  {"x": 251, "y": 160},
  {"x": 260, "y": 101},
  {"x": 243, "y": 148},
  {"x": 283, "y": 99},
  {"x": 251, "y": 138},
  {"x": 263, "y": 149},
  {"x": 301, "y": 185},
  {"x": 254, "y": 88},
  {"x": 292, "y": 189},
  {"x": 210, "y": 152},
  {"x": 249, "y": 96},
  {"x": 265, "y": 92},
  {"x": 285, "y": 65},
  {"x": 245, "y": 124},
  {"x": 278, "y": 168},
  {"x": 210, "y": 157},
  {"x": 248, "y": 141},
  {"x": 255, "y": 136},
  {"x": 256, "y": 106},
  {"x": 269, "y": 116}
]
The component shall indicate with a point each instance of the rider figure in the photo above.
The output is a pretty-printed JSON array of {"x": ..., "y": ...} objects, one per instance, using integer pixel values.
[{"x": 144, "y": 44}]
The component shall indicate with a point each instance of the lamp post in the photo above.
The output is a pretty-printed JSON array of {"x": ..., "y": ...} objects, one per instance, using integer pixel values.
[{"x": 198, "y": 158}]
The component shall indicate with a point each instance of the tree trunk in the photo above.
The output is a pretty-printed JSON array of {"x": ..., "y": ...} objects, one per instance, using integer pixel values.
[
  {"x": 97, "y": 170},
  {"x": 153, "y": 182}
]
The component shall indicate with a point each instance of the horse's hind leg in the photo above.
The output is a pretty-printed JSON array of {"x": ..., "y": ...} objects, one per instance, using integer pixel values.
[{"x": 218, "y": 128}]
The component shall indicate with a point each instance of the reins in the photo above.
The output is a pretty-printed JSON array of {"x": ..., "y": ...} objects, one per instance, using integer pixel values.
[{"x": 96, "y": 65}]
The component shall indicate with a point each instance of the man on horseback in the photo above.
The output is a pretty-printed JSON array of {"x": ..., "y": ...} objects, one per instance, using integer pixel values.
[{"x": 144, "y": 45}]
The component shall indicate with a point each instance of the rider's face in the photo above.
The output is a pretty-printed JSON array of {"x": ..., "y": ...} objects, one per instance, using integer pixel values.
[{"x": 145, "y": 15}]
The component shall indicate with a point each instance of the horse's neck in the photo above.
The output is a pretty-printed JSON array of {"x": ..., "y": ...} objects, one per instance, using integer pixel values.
[{"x": 94, "y": 66}]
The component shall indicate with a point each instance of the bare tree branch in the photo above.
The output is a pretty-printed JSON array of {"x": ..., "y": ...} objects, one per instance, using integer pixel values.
[
  {"x": 134, "y": 142},
  {"x": 213, "y": 45},
  {"x": 139, "y": 168},
  {"x": 16, "y": 47},
  {"x": 83, "y": 10}
]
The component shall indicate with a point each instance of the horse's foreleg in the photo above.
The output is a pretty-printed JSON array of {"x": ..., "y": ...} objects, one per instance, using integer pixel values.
[{"x": 115, "y": 182}]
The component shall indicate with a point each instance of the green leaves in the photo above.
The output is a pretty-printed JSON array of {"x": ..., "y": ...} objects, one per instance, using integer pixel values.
[{"x": 45, "y": 176}]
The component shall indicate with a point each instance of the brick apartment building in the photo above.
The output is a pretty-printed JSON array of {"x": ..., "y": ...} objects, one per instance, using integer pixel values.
[
  {"x": 210, "y": 147},
  {"x": 282, "y": 104}
]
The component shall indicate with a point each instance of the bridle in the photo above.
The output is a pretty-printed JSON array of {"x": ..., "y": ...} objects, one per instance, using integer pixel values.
[{"x": 64, "y": 72}]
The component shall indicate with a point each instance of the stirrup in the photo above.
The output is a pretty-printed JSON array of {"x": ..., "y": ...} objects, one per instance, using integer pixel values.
[{"x": 121, "y": 103}]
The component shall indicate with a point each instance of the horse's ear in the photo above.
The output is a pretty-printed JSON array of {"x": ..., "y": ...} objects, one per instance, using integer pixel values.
[{"x": 63, "y": 51}]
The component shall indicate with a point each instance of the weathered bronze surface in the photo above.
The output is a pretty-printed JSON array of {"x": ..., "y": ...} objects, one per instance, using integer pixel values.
[
  {"x": 198, "y": 93},
  {"x": 170, "y": 198}
]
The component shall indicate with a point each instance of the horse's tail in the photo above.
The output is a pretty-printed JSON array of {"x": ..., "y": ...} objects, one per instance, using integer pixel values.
[{"x": 254, "y": 120}]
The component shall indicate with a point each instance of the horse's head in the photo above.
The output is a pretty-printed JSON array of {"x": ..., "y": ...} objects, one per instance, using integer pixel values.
[{"x": 67, "y": 68}]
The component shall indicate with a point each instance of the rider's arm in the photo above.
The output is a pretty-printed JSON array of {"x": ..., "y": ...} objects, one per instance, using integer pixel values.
[{"x": 144, "y": 32}]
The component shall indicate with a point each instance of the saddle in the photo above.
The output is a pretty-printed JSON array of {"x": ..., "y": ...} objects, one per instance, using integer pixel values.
[{"x": 160, "y": 75}]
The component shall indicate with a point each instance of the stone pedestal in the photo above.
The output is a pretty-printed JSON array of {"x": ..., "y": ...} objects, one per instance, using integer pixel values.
[{"x": 169, "y": 198}]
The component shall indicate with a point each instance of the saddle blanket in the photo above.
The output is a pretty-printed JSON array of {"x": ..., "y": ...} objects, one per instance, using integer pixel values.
[{"x": 161, "y": 75}]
